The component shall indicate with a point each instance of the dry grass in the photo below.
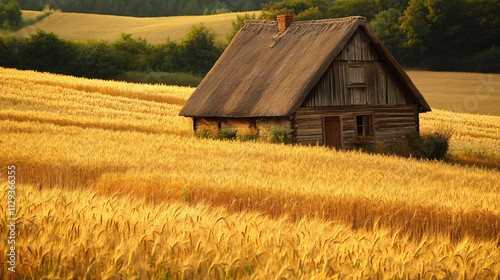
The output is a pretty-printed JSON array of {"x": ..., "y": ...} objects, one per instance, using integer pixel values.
[
  {"x": 472, "y": 93},
  {"x": 155, "y": 29},
  {"x": 30, "y": 14},
  {"x": 72, "y": 137}
]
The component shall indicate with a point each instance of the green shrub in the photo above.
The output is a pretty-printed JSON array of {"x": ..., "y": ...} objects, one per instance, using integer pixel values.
[
  {"x": 275, "y": 135},
  {"x": 208, "y": 132},
  {"x": 364, "y": 143},
  {"x": 228, "y": 133},
  {"x": 430, "y": 146},
  {"x": 434, "y": 146},
  {"x": 247, "y": 134},
  {"x": 175, "y": 79}
]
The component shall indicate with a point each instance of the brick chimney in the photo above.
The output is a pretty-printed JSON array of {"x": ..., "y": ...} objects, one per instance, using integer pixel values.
[{"x": 283, "y": 22}]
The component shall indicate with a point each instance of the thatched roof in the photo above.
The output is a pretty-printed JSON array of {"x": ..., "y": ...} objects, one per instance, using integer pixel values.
[{"x": 266, "y": 74}]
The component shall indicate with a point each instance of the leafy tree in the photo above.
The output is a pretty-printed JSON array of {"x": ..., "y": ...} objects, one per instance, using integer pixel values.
[
  {"x": 132, "y": 53},
  {"x": 47, "y": 53},
  {"x": 10, "y": 15},
  {"x": 434, "y": 33},
  {"x": 366, "y": 8},
  {"x": 386, "y": 26},
  {"x": 198, "y": 52},
  {"x": 302, "y": 9},
  {"x": 487, "y": 61},
  {"x": 94, "y": 59},
  {"x": 14, "y": 14},
  {"x": 167, "y": 57},
  {"x": 238, "y": 24}
]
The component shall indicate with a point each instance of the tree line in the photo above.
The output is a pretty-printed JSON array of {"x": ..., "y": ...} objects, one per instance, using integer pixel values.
[
  {"x": 442, "y": 35},
  {"x": 146, "y": 8},
  {"x": 10, "y": 15},
  {"x": 46, "y": 52}
]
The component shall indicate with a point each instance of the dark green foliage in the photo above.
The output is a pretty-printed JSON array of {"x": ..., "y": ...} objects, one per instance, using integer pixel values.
[
  {"x": 238, "y": 24},
  {"x": 487, "y": 61},
  {"x": 429, "y": 146},
  {"x": 46, "y": 52},
  {"x": 228, "y": 134},
  {"x": 446, "y": 35},
  {"x": 434, "y": 146},
  {"x": 198, "y": 51},
  {"x": 94, "y": 59},
  {"x": 439, "y": 35},
  {"x": 302, "y": 9},
  {"x": 10, "y": 15},
  {"x": 132, "y": 54},
  {"x": 166, "y": 78},
  {"x": 386, "y": 25},
  {"x": 366, "y": 8}
]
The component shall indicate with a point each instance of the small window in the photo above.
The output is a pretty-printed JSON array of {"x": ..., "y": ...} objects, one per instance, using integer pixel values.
[
  {"x": 253, "y": 124},
  {"x": 364, "y": 125},
  {"x": 357, "y": 75}
]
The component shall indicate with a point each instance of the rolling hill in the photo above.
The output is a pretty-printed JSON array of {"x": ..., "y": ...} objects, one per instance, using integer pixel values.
[
  {"x": 156, "y": 30},
  {"x": 473, "y": 93}
]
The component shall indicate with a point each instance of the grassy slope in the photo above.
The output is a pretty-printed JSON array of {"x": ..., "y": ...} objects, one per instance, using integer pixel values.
[
  {"x": 460, "y": 92},
  {"x": 117, "y": 138},
  {"x": 155, "y": 30}
]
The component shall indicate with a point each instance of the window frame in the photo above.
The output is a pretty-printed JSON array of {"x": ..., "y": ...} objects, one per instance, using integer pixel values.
[
  {"x": 351, "y": 84},
  {"x": 371, "y": 126}
]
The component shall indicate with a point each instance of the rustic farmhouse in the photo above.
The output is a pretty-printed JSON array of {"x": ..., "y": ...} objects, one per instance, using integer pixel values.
[{"x": 327, "y": 81}]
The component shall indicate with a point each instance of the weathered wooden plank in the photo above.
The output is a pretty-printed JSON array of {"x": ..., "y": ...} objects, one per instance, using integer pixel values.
[
  {"x": 393, "y": 108},
  {"x": 383, "y": 115},
  {"x": 207, "y": 122},
  {"x": 395, "y": 125},
  {"x": 309, "y": 126},
  {"x": 391, "y": 132},
  {"x": 348, "y": 127},
  {"x": 396, "y": 120},
  {"x": 311, "y": 138},
  {"x": 310, "y": 131}
]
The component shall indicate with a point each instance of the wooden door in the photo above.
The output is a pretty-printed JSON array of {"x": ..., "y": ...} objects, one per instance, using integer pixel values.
[{"x": 333, "y": 137}]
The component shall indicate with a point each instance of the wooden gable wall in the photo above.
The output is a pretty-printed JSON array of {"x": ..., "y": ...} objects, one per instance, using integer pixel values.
[{"x": 382, "y": 87}]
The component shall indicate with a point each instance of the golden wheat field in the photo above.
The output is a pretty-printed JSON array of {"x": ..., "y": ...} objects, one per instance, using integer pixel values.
[
  {"x": 156, "y": 30},
  {"x": 112, "y": 184},
  {"x": 473, "y": 93}
]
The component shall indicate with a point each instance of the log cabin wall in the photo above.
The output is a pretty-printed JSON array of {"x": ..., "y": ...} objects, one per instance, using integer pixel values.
[
  {"x": 358, "y": 82},
  {"x": 237, "y": 123},
  {"x": 380, "y": 87},
  {"x": 266, "y": 123},
  {"x": 388, "y": 122},
  {"x": 282, "y": 123},
  {"x": 224, "y": 123}
]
